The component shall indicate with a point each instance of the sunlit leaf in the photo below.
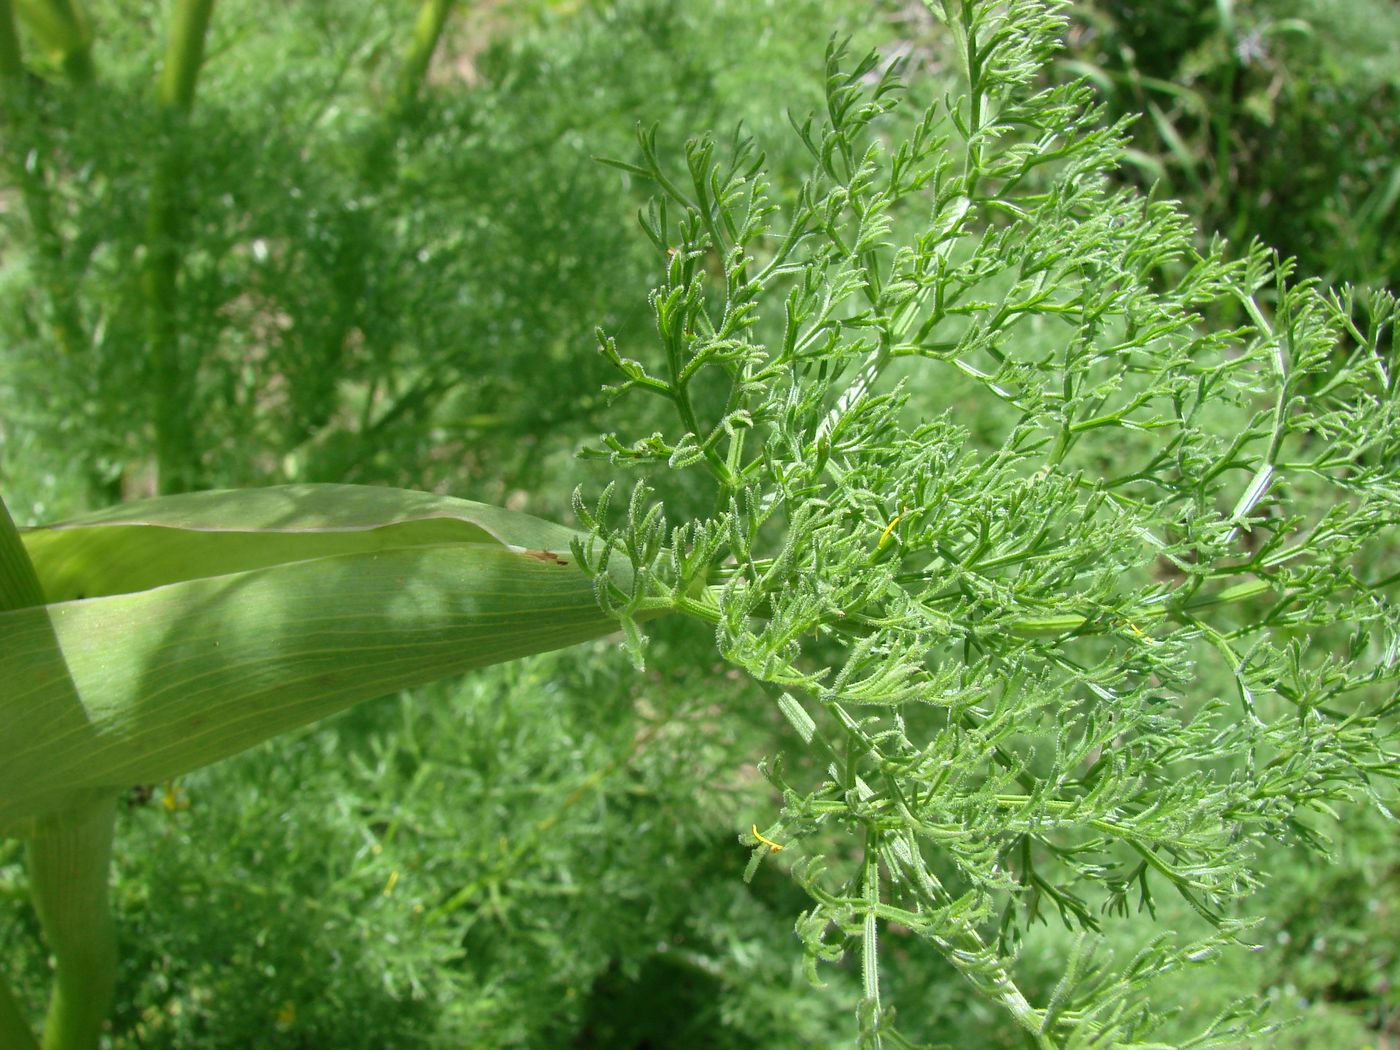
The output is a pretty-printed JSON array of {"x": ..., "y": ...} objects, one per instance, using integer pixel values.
[{"x": 215, "y": 621}]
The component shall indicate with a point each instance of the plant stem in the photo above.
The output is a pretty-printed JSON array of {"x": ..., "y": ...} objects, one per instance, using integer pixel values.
[
  {"x": 176, "y": 456},
  {"x": 184, "y": 53},
  {"x": 427, "y": 30},
  {"x": 69, "y": 858}
]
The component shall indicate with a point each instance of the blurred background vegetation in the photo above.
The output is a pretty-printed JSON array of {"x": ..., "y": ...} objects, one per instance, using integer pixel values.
[{"x": 393, "y": 285}]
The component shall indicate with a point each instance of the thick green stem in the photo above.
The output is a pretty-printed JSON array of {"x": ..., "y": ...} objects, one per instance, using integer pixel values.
[
  {"x": 184, "y": 53},
  {"x": 174, "y": 426},
  {"x": 176, "y": 452},
  {"x": 427, "y": 30},
  {"x": 69, "y": 859}
]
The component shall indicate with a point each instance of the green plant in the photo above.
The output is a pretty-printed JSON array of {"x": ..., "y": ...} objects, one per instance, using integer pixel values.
[
  {"x": 1094, "y": 636},
  {"x": 990, "y": 652}
]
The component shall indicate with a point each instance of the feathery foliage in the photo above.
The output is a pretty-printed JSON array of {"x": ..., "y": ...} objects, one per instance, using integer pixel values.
[
  {"x": 1001, "y": 653},
  {"x": 1059, "y": 553}
]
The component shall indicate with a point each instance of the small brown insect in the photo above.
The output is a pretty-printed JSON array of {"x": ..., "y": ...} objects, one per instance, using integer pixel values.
[{"x": 548, "y": 557}]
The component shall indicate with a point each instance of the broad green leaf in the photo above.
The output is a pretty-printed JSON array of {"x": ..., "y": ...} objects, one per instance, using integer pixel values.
[
  {"x": 135, "y": 546},
  {"x": 218, "y": 620}
]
